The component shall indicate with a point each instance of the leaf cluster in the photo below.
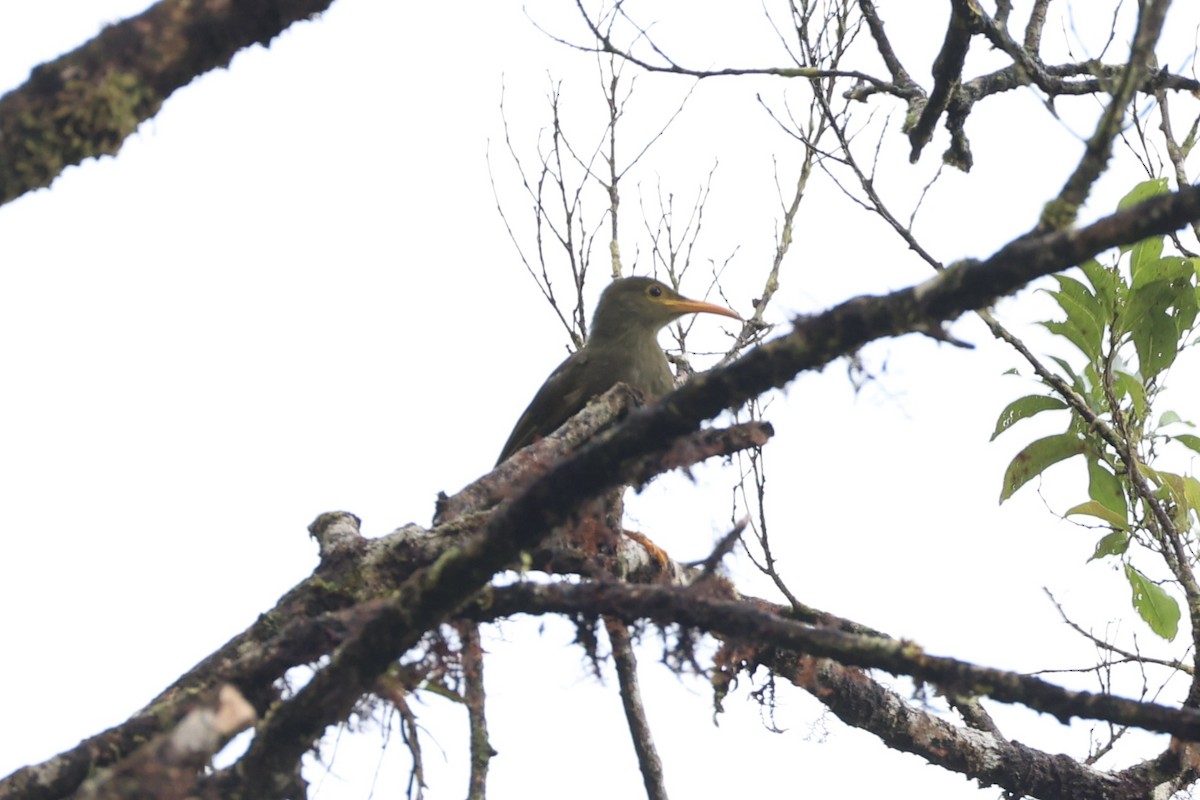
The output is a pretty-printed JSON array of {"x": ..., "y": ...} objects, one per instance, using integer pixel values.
[{"x": 1129, "y": 320}]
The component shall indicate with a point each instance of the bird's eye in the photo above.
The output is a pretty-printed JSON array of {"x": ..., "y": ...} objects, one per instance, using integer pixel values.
[{"x": 655, "y": 291}]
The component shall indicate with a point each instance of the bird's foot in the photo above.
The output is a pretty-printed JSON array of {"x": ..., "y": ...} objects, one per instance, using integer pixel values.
[{"x": 657, "y": 553}]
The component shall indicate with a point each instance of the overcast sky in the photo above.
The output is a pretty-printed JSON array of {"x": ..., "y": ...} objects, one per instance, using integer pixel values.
[{"x": 291, "y": 292}]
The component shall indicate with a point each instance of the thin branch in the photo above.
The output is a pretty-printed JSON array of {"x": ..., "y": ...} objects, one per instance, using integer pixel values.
[
  {"x": 1174, "y": 153},
  {"x": 724, "y": 547},
  {"x": 397, "y": 694},
  {"x": 474, "y": 698},
  {"x": 635, "y": 711},
  {"x": 1109, "y": 647},
  {"x": 606, "y": 45},
  {"x": 542, "y": 219},
  {"x": 1063, "y": 210},
  {"x": 900, "y": 77},
  {"x": 768, "y": 565}
]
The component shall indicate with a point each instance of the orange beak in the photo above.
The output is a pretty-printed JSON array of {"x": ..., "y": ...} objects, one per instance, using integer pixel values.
[{"x": 685, "y": 306}]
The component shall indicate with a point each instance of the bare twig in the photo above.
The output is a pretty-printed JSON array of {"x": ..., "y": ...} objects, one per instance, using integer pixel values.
[
  {"x": 723, "y": 547},
  {"x": 606, "y": 45},
  {"x": 1109, "y": 647}
]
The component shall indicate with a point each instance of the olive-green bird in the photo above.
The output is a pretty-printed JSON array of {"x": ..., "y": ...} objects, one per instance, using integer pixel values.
[{"x": 623, "y": 348}]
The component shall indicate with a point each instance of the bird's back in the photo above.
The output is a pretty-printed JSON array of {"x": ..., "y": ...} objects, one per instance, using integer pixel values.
[{"x": 587, "y": 374}]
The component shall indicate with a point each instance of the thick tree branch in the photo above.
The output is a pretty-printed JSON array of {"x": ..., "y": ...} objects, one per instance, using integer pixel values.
[
  {"x": 1021, "y": 770},
  {"x": 85, "y": 103},
  {"x": 754, "y": 636},
  {"x": 166, "y": 767},
  {"x": 732, "y": 619},
  {"x": 965, "y": 21}
]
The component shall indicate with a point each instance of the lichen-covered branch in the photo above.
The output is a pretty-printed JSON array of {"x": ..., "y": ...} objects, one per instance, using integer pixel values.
[
  {"x": 826, "y": 662},
  {"x": 85, "y": 103},
  {"x": 747, "y": 621},
  {"x": 165, "y": 768}
]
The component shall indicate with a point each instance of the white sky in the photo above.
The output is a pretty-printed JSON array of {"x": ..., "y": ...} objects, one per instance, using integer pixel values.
[{"x": 291, "y": 293}]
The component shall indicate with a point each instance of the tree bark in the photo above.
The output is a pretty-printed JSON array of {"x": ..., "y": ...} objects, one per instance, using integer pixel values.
[{"x": 86, "y": 103}]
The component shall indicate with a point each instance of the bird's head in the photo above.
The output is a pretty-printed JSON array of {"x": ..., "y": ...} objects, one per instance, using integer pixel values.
[{"x": 644, "y": 304}]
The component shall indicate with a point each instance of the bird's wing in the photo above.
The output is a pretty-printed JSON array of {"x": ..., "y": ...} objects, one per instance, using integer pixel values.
[{"x": 564, "y": 394}]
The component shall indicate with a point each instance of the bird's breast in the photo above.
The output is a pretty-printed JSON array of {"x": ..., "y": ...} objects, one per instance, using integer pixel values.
[{"x": 644, "y": 368}]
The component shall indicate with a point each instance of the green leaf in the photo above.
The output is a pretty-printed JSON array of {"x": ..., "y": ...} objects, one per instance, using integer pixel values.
[
  {"x": 1189, "y": 141},
  {"x": 1155, "y": 343},
  {"x": 1084, "y": 325},
  {"x": 1155, "y": 335},
  {"x": 1104, "y": 283},
  {"x": 1143, "y": 191},
  {"x": 1172, "y": 269},
  {"x": 1127, "y": 384},
  {"x": 1186, "y": 303},
  {"x": 1158, "y": 608},
  {"x": 1191, "y": 491},
  {"x": 1145, "y": 260},
  {"x": 1112, "y": 544},
  {"x": 1078, "y": 299},
  {"x": 1093, "y": 509},
  {"x": 1182, "y": 494},
  {"x": 1169, "y": 418},
  {"x": 1142, "y": 300},
  {"x": 1188, "y": 440},
  {"x": 1168, "y": 480},
  {"x": 1076, "y": 382},
  {"x": 1160, "y": 311},
  {"x": 1023, "y": 408},
  {"x": 1036, "y": 457},
  {"x": 1072, "y": 334},
  {"x": 1106, "y": 489}
]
